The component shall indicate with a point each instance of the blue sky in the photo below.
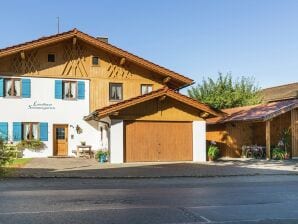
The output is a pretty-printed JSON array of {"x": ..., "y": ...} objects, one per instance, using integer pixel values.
[{"x": 196, "y": 38}]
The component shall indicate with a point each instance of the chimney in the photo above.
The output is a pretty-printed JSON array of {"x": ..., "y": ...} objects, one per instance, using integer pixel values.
[{"x": 103, "y": 39}]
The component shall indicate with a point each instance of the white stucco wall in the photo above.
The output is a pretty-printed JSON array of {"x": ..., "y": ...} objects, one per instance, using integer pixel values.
[
  {"x": 199, "y": 141},
  {"x": 69, "y": 112},
  {"x": 116, "y": 141}
]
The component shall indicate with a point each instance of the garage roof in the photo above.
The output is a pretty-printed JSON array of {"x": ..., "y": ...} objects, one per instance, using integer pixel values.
[
  {"x": 260, "y": 112},
  {"x": 108, "y": 110}
]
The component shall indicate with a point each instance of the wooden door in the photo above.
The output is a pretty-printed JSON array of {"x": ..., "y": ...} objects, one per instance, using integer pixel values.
[
  {"x": 60, "y": 136},
  {"x": 149, "y": 141}
]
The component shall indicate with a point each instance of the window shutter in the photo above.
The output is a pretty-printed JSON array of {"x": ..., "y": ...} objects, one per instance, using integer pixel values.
[
  {"x": 17, "y": 131},
  {"x": 1, "y": 87},
  {"x": 58, "y": 89},
  {"x": 43, "y": 129},
  {"x": 26, "y": 88},
  {"x": 4, "y": 131},
  {"x": 81, "y": 90}
]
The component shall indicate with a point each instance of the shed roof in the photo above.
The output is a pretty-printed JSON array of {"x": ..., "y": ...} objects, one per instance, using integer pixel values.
[
  {"x": 260, "y": 112},
  {"x": 282, "y": 92}
]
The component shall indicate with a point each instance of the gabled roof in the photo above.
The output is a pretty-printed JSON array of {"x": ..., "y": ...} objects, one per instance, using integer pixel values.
[
  {"x": 108, "y": 110},
  {"x": 282, "y": 92},
  {"x": 260, "y": 112},
  {"x": 179, "y": 80}
]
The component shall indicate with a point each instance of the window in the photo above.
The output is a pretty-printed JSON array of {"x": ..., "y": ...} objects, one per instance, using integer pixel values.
[
  {"x": 95, "y": 60},
  {"x": 51, "y": 58},
  {"x": 69, "y": 90},
  {"x": 12, "y": 87},
  {"x": 116, "y": 91},
  {"x": 146, "y": 88},
  {"x": 60, "y": 133},
  {"x": 30, "y": 131}
]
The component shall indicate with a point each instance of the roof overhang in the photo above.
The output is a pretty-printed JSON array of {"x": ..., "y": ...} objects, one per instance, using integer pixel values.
[
  {"x": 175, "y": 80},
  {"x": 163, "y": 92},
  {"x": 253, "y": 114}
]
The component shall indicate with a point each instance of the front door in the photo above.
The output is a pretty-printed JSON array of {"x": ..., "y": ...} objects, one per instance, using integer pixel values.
[{"x": 60, "y": 137}]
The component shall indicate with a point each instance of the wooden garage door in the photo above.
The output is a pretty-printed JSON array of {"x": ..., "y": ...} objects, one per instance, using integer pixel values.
[{"x": 158, "y": 141}]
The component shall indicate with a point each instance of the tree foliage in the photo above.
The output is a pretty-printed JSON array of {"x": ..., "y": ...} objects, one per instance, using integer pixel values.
[{"x": 224, "y": 92}]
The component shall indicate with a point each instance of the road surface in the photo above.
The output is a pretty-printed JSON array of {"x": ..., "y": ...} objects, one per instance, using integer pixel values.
[{"x": 254, "y": 199}]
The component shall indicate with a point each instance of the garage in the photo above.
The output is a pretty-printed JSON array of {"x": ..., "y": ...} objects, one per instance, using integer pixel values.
[
  {"x": 149, "y": 141},
  {"x": 160, "y": 126}
]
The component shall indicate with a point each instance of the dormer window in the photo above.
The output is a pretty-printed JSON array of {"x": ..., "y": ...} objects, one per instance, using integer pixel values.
[
  {"x": 51, "y": 58},
  {"x": 12, "y": 87}
]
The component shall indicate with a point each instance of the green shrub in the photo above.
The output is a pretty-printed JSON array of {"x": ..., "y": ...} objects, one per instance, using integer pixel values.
[
  {"x": 34, "y": 145},
  {"x": 100, "y": 153},
  {"x": 6, "y": 154},
  {"x": 213, "y": 152},
  {"x": 278, "y": 154}
]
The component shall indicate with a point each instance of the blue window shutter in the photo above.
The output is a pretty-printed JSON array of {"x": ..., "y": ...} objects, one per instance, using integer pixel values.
[
  {"x": 4, "y": 131},
  {"x": 1, "y": 87},
  {"x": 81, "y": 90},
  {"x": 26, "y": 88},
  {"x": 58, "y": 89},
  {"x": 17, "y": 131},
  {"x": 43, "y": 130}
]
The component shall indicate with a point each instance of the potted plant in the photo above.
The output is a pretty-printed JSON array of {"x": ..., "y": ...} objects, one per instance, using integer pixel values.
[
  {"x": 83, "y": 143},
  {"x": 33, "y": 145},
  {"x": 279, "y": 154},
  {"x": 101, "y": 156},
  {"x": 213, "y": 153}
]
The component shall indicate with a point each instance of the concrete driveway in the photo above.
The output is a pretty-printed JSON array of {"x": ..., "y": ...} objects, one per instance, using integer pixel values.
[{"x": 90, "y": 168}]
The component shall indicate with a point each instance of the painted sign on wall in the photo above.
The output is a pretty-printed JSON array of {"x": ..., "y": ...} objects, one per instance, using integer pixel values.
[{"x": 41, "y": 106}]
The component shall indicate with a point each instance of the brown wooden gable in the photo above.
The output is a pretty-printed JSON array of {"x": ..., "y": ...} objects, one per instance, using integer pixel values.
[
  {"x": 25, "y": 59},
  {"x": 163, "y": 99}
]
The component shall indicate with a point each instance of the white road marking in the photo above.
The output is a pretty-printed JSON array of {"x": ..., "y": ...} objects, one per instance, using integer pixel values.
[
  {"x": 82, "y": 210},
  {"x": 204, "y": 218}
]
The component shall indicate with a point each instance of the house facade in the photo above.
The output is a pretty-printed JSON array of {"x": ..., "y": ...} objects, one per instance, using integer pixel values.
[{"x": 71, "y": 88}]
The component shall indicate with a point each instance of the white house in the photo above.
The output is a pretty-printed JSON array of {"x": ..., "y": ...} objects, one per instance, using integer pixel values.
[{"x": 71, "y": 88}]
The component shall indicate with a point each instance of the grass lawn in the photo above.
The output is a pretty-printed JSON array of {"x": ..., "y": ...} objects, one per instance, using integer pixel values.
[{"x": 19, "y": 162}]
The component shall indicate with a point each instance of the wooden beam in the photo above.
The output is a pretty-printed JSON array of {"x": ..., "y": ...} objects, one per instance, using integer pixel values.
[
  {"x": 294, "y": 131},
  {"x": 23, "y": 56},
  {"x": 268, "y": 140},
  {"x": 162, "y": 98},
  {"x": 74, "y": 41},
  {"x": 122, "y": 61},
  {"x": 204, "y": 115},
  {"x": 166, "y": 80},
  {"x": 116, "y": 113}
]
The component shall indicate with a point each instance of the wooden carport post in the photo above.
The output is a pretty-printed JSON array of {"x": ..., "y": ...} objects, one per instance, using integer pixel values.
[{"x": 268, "y": 145}]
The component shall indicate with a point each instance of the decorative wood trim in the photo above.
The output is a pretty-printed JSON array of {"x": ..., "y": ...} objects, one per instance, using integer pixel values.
[{"x": 180, "y": 79}]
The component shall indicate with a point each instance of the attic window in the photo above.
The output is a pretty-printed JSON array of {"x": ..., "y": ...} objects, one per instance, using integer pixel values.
[
  {"x": 51, "y": 58},
  {"x": 95, "y": 60}
]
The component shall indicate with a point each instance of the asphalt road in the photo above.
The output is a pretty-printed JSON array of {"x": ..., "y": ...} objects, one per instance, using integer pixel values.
[{"x": 260, "y": 199}]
